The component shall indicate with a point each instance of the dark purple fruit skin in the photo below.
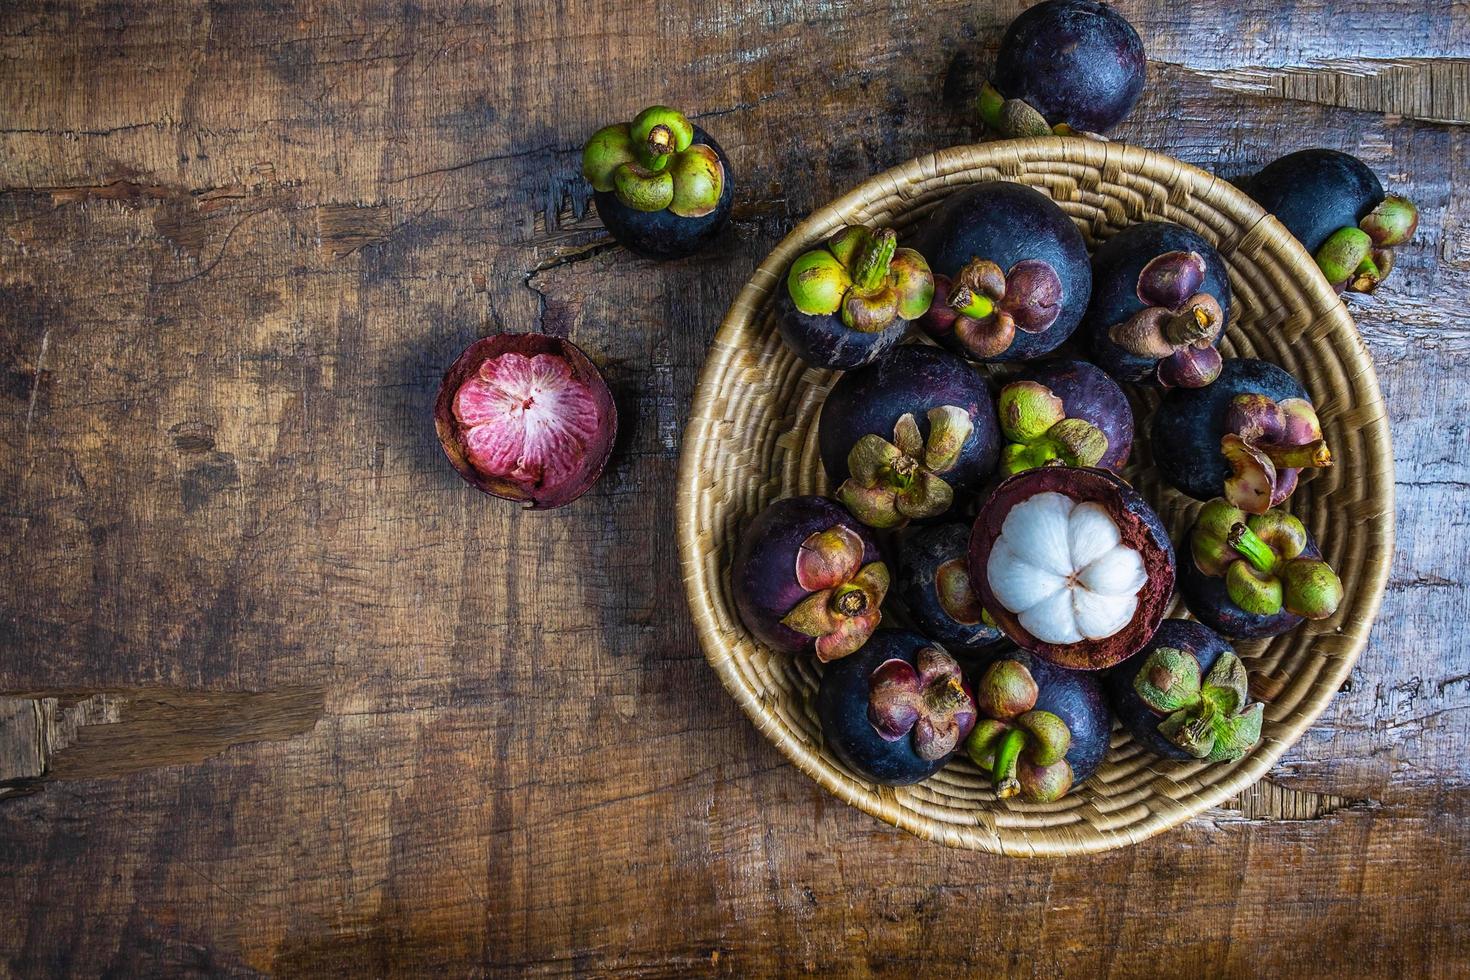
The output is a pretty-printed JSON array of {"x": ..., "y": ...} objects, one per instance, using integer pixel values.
[
  {"x": 763, "y": 574},
  {"x": 920, "y": 553},
  {"x": 1115, "y": 269},
  {"x": 842, "y": 708},
  {"x": 1076, "y": 61},
  {"x": 1209, "y": 602},
  {"x": 1190, "y": 421},
  {"x": 825, "y": 341},
  {"x": 1074, "y": 696},
  {"x": 1007, "y": 222},
  {"x": 1141, "y": 720},
  {"x": 663, "y": 234},
  {"x": 1087, "y": 393},
  {"x": 1316, "y": 192},
  {"x": 911, "y": 378}
]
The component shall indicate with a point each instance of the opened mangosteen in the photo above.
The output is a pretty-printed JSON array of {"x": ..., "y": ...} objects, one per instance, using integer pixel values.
[
  {"x": 1011, "y": 274},
  {"x": 1064, "y": 66},
  {"x": 1246, "y": 437},
  {"x": 1255, "y": 575},
  {"x": 934, "y": 584},
  {"x": 1073, "y": 565},
  {"x": 900, "y": 436},
  {"x": 663, "y": 186},
  {"x": 809, "y": 578},
  {"x": 1066, "y": 412},
  {"x": 1185, "y": 695},
  {"x": 1335, "y": 206},
  {"x": 526, "y": 417},
  {"x": 895, "y": 711},
  {"x": 1160, "y": 300},
  {"x": 850, "y": 300}
]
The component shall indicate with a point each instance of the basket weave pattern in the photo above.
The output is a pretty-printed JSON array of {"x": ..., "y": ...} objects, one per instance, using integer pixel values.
[{"x": 751, "y": 440}]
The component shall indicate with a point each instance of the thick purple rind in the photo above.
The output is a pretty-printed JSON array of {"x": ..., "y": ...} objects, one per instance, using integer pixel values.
[
  {"x": 1138, "y": 526},
  {"x": 1209, "y": 601},
  {"x": 594, "y": 458},
  {"x": 920, "y": 553},
  {"x": 664, "y": 234},
  {"x": 1142, "y": 721},
  {"x": 1087, "y": 393},
  {"x": 1075, "y": 696},
  {"x": 763, "y": 573},
  {"x": 1316, "y": 192},
  {"x": 825, "y": 341}
]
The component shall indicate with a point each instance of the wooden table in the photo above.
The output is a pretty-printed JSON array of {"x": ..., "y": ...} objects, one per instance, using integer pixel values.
[{"x": 286, "y": 696}]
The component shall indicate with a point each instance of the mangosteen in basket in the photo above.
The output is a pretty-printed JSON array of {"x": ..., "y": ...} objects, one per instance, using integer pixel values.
[
  {"x": 1041, "y": 729},
  {"x": 1185, "y": 695},
  {"x": 1064, "y": 412},
  {"x": 1335, "y": 206},
  {"x": 526, "y": 417},
  {"x": 663, "y": 186},
  {"x": 1247, "y": 436},
  {"x": 934, "y": 583},
  {"x": 895, "y": 711},
  {"x": 1255, "y": 575},
  {"x": 1011, "y": 273},
  {"x": 851, "y": 299},
  {"x": 901, "y": 436},
  {"x": 808, "y": 578},
  {"x": 1160, "y": 300},
  {"x": 1073, "y": 565},
  {"x": 1064, "y": 66}
]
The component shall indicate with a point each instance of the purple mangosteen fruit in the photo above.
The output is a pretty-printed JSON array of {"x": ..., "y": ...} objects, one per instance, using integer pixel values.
[
  {"x": 896, "y": 710},
  {"x": 1041, "y": 729},
  {"x": 1247, "y": 436},
  {"x": 849, "y": 300},
  {"x": 934, "y": 583},
  {"x": 1068, "y": 412},
  {"x": 809, "y": 578},
  {"x": 1255, "y": 575},
  {"x": 1064, "y": 66},
  {"x": 1185, "y": 695},
  {"x": 1335, "y": 206},
  {"x": 901, "y": 436},
  {"x": 526, "y": 417},
  {"x": 1160, "y": 300},
  {"x": 1011, "y": 273},
  {"x": 1072, "y": 564},
  {"x": 663, "y": 186}
]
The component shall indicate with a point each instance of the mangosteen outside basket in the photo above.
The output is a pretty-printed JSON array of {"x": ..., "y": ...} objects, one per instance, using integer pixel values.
[{"x": 751, "y": 438}]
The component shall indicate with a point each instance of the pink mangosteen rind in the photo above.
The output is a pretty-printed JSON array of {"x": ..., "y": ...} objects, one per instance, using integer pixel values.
[{"x": 594, "y": 452}]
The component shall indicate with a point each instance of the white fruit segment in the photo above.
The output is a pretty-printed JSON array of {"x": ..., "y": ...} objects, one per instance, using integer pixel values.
[{"x": 1063, "y": 569}]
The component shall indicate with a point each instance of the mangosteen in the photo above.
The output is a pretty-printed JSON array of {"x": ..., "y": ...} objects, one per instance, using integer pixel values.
[
  {"x": 1160, "y": 300},
  {"x": 809, "y": 578},
  {"x": 1335, "y": 206},
  {"x": 1255, "y": 575},
  {"x": 850, "y": 300},
  {"x": 1247, "y": 436},
  {"x": 1041, "y": 729},
  {"x": 1011, "y": 274},
  {"x": 1068, "y": 412},
  {"x": 1072, "y": 564},
  {"x": 1185, "y": 695},
  {"x": 934, "y": 584},
  {"x": 1064, "y": 66},
  {"x": 526, "y": 417},
  {"x": 663, "y": 186},
  {"x": 895, "y": 711},
  {"x": 899, "y": 436}
]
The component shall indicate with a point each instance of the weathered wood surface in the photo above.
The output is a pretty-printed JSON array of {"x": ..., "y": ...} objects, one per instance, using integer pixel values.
[{"x": 285, "y": 696}]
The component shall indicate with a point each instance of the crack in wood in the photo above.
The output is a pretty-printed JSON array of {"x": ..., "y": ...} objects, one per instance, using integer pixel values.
[{"x": 1271, "y": 802}]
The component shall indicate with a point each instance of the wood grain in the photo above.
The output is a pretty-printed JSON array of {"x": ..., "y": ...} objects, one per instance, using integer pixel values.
[{"x": 241, "y": 242}]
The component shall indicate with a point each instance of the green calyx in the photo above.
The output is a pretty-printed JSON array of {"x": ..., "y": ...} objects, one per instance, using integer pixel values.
[
  {"x": 1022, "y": 749},
  {"x": 1213, "y": 720},
  {"x": 1358, "y": 259},
  {"x": 1260, "y": 557},
  {"x": 1014, "y": 118},
  {"x": 894, "y": 482},
  {"x": 1038, "y": 432},
  {"x": 862, "y": 275},
  {"x": 653, "y": 164}
]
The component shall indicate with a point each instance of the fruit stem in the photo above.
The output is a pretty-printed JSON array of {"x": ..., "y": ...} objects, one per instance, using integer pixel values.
[
  {"x": 850, "y": 601},
  {"x": 945, "y": 697},
  {"x": 1003, "y": 771},
  {"x": 969, "y": 303},
  {"x": 1252, "y": 548},
  {"x": 660, "y": 141},
  {"x": 871, "y": 266},
  {"x": 1183, "y": 329},
  {"x": 1312, "y": 455}
]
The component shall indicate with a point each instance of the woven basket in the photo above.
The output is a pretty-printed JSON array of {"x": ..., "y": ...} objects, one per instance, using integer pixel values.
[{"x": 751, "y": 440}]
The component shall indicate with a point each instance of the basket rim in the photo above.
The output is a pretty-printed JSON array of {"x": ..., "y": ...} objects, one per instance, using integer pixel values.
[{"x": 701, "y": 598}]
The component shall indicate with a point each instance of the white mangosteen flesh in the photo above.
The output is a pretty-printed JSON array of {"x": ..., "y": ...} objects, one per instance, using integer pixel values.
[{"x": 1063, "y": 569}]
